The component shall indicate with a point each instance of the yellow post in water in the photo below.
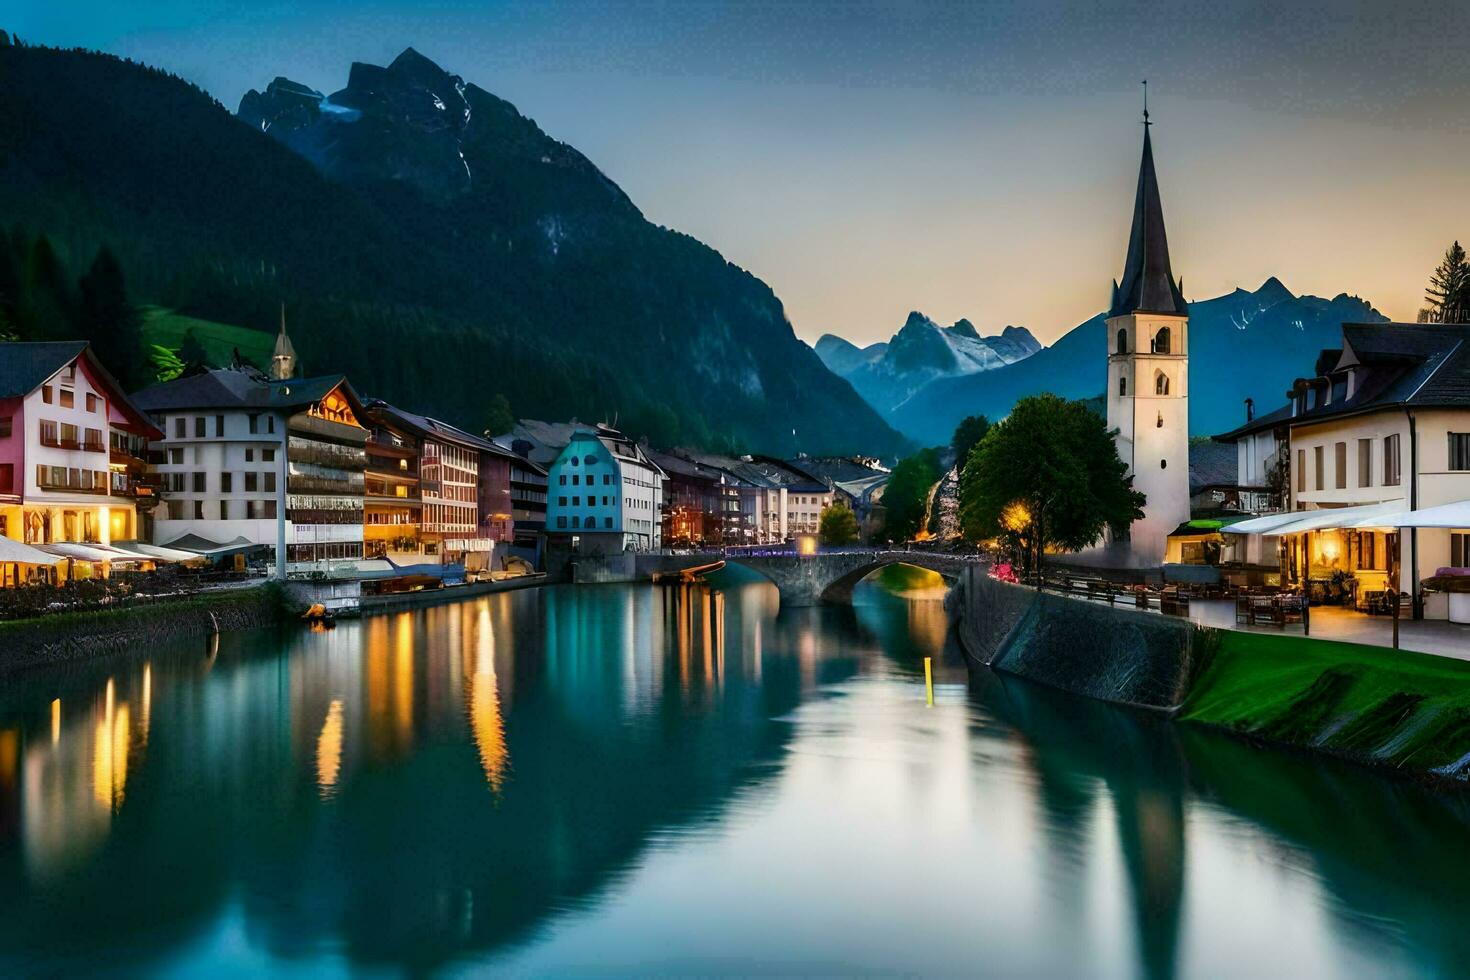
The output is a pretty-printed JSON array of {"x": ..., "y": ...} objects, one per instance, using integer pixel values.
[{"x": 929, "y": 681}]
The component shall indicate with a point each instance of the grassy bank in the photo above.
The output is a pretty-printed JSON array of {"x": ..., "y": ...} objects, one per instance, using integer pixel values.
[{"x": 1403, "y": 710}]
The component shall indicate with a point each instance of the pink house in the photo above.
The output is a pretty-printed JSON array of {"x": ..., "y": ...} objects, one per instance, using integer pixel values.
[{"x": 72, "y": 449}]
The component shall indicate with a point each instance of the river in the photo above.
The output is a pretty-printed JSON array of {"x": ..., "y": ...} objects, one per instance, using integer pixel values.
[{"x": 680, "y": 780}]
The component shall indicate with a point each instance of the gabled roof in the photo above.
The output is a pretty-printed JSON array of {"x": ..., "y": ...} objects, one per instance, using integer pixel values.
[
  {"x": 24, "y": 367},
  {"x": 1260, "y": 423},
  {"x": 424, "y": 426},
  {"x": 1211, "y": 464},
  {"x": 230, "y": 388},
  {"x": 1148, "y": 284}
]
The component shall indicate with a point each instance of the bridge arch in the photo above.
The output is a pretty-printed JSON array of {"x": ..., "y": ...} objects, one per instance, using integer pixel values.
[{"x": 828, "y": 577}]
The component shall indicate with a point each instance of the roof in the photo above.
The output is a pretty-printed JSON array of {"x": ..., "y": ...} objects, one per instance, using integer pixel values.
[
  {"x": 1211, "y": 464},
  {"x": 424, "y": 426},
  {"x": 231, "y": 388},
  {"x": 1148, "y": 284},
  {"x": 1260, "y": 423},
  {"x": 25, "y": 366}
]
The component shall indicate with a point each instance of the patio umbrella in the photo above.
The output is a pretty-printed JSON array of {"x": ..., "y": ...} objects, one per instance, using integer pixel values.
[
  {"x": 13, "y": 552},
  {"x": 1451, "y": 515}
]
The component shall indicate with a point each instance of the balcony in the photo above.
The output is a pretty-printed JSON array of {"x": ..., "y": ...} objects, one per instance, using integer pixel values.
[{"x": 94, "y": 446}]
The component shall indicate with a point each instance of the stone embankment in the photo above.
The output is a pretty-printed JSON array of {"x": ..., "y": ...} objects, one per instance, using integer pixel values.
[
  {"x": 93, "y": 633},
  {"x": 1396, "y": 710}
]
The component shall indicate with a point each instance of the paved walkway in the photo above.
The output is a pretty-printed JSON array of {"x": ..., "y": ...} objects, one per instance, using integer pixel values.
[{"x": 1435, "y": 636}]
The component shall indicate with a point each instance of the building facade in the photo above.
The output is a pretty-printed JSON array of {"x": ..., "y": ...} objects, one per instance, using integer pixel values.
[
  {"x": 605, "y": 490},
  {"x": 392, "y": 506},
  {"x": 70, "y": 439}
]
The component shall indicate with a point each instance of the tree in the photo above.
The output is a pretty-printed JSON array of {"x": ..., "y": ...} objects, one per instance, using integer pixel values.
[
  {"x": 906, "y": 496},
  {"x": 193, "y": 354},
  {"x": 109, "y": 322},
  {"x": 967, "y": 436},
  {"x": 838, "y": 525},
  {"x": 1048, "y": 476},
  {"x": 1447, "y": 300},
  {"x": 499, "y": 419}
]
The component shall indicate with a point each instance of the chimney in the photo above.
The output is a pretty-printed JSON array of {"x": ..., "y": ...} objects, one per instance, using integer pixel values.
[{"x": 1250, "y": 409}]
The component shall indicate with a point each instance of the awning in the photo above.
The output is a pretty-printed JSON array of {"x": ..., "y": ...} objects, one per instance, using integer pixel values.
[
  {"x": 200, "y": 545},
  {"x": 1455, "y": 514},
  {"x": 1327, "y": 518},
  {"x": 13, "y": 552},
  {"x": 90, "y": 552},
  {"x": 155, "y": 553}
]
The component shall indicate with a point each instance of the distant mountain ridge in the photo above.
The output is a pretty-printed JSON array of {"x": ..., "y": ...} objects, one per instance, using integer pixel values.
[
  {"x": 426, "y": 239},
  {"x": 1242, "y": 345},
  {"x": 887, "y": 374}
]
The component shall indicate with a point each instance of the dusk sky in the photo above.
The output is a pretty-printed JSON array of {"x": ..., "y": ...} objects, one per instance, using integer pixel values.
[{"x": 960, "y": 159}]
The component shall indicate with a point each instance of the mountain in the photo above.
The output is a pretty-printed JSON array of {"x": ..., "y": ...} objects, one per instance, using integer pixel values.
[
  {"x": 426, "y": 238},
  {"x": 888, "y": 374},
  {"x": 1243, "y": 344}
]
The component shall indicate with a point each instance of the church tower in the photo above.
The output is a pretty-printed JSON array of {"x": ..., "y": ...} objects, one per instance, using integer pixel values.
[
  {"x": 283, "y": 358},
  {"x": 1148, "y": 372}
]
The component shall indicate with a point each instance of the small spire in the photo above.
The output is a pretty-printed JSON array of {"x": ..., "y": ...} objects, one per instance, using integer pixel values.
[
  {"x": 1145, "y": 103},
  {"x": 283, "y": 358}
]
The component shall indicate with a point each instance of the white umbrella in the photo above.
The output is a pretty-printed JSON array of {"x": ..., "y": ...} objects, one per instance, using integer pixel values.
[
  {"x": 1324, "y": 519},
  {"x": 1451, "y": 515}
]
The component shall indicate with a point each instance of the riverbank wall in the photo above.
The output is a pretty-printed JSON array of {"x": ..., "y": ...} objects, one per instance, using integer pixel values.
[
  {"x": 1391, "y": 709},
  {"x": 85, "y": 634}
]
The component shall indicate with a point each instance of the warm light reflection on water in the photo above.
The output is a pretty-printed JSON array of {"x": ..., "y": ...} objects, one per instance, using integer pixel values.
[{"x": 681, "y": 780}]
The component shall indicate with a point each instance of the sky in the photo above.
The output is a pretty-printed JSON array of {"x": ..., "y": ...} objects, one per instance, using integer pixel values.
[{"x": 961, "y": 159}]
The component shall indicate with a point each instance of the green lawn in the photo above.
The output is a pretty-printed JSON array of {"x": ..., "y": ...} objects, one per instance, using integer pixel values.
[
  {"x": 1404, "y": 709},
  {"x": 166, "y": 328}
]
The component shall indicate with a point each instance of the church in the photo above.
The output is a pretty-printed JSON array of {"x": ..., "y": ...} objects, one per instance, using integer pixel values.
[{"x": 1148, "y": 378}]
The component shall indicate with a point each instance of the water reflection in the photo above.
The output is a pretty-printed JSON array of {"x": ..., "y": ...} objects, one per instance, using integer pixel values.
[{"x": 681, "y": 779}]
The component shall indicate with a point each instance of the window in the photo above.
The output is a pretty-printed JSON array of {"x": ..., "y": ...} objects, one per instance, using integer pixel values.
[
  {"x": 175, "y": 455},
  {"x": 270, "y": 481},
  {"x": 252, "y": 483},
  {"x": 270, "y": 423},
  {"x": 1161, "y": 383},
  {"x": 1160, "y": 423},
  {"x": 1365, "y": 463},
  {"x": 1122, "y": 384},
  {"x": 575, "y": 461},
  {"x": 7, "y": 478},
  {"x": 607, "y": 522},
  {"x": 1339, "y": 389},
  {"x": 199, "y": 510},
  {"x": 1301, "y": 470},
  {"x": 6, "y": 424},
  {"x": 224, "y": 510},
  {"x": 1318, "y": 460},
  {"x": 589, "y": 460},
  {"x": 219, "y": 426},
  {"x": 46, "y": 394},
  {"x": 198, "y": 482},
  {"x": 1460, "y": 450},
  {"x": 269, "y": 456},
  {"x": 563, "y": 479},
  {"x": 1459, "y": 549},
  {"x": 1367, "y": 549},
  {"x": 1161, "y": 341},
  {"x": 1391, "y": 460},
  {"x": 561, "y": 501},
  {"x": 225, "y": 479},
  {"x": 91, "y": 402},
  {"x": 1122, "y": 347},
  {"x": 179, "y": 427},
  {"x": 199, "y": 427},
  {"x": 1339, "y": 461},
  {"x": 561, "y": 522},
  {"x": 68, "y": 398},
  {"x": 576, "y": 521},
  {"x": 576, "y": 501},
  {"x": 576, "y": 480},
  {"x": 254, "y": 423},
  {"x": 249, "y": 455},
  {"x": 607, "y": 479}
]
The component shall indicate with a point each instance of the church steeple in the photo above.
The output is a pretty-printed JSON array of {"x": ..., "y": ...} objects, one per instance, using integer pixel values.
[
  {"x": 1148, "y": 284},
  {"x": 283, "y": 358}
]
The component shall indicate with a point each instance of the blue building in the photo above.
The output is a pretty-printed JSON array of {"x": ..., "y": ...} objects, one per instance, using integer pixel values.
[{"x": 604, "y": 491}]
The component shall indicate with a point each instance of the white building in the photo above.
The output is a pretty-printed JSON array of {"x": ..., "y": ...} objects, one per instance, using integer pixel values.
[
  {"x": 1148, "y": 377},
  {"x": 276, "y": 465},
  {"x": 604, "y": 491}
]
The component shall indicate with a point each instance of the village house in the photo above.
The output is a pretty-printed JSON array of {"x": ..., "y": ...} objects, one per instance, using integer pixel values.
[
  {"x": 256, "y": 465},
  {"x": 71, "y": 464},
  {"x": 606, "y": 493},
  {"x": 1381, "y": 426}
]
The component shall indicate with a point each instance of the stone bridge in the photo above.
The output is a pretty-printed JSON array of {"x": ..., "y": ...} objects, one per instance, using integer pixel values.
[{"x": 807, "y": 580}]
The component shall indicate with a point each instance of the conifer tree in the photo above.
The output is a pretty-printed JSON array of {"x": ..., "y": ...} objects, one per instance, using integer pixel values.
[{"x": 1447, "y": 300}]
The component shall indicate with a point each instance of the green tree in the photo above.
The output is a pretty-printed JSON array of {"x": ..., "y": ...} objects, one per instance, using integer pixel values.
[
  {"x": 109, "y": 322},
  {"x": 838, "y": 525},
  {"x": 499, "y": 419},
  {"x": 906, "y": 496},
  {"x": 967, "y": 436},
  {"x": 1048, "y": 476},
  {"x": 1447, "y": 300}
]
